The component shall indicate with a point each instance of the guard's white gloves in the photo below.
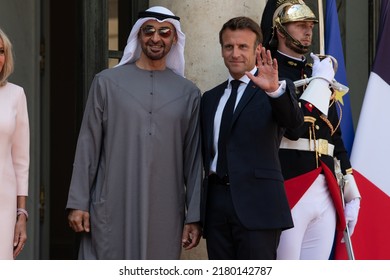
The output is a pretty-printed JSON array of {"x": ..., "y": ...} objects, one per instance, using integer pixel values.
[
  {"x": 323, "y": 68},
  {"x": 352, "y": 198},
  {"x": 317, "y": 92},
  {"x": 351, "y": 212},
  {"x": 350, "y": 188}
]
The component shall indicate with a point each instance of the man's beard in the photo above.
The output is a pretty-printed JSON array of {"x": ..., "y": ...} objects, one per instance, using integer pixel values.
[
  {"x": 147, "y": 49},
  {"x": 301, "y": 50},
  {"x": 153, "y": 55}
]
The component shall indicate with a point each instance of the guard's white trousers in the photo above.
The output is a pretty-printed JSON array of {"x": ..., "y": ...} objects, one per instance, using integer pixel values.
[{"x": 314, "y": 218}]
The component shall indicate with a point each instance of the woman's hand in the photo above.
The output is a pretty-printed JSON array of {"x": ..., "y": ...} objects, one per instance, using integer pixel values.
[{"x": 20, "y": 234}]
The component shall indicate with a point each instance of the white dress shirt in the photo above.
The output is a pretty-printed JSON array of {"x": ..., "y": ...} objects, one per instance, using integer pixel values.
[{"x": 222, "y": 102}]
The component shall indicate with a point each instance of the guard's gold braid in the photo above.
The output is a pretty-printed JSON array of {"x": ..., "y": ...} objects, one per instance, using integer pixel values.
[
  {"x": 332, "y": 98},
  {"x": 329, "y": 124},
  {"x": 341, "y": 115},
  {"x": 312, "y": 136}
]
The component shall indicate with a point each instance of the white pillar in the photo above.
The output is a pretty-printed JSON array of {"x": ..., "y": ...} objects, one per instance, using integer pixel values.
[{"x": 201, "y": 21}]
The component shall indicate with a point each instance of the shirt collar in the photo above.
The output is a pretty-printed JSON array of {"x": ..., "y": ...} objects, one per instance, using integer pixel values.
[
  {"x": 302, "y": 59},
  {"x": 245, "y": 79}
]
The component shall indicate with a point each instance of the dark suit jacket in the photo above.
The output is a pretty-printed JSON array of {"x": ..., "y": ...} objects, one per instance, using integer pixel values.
[{"x": 256, "y": 180}]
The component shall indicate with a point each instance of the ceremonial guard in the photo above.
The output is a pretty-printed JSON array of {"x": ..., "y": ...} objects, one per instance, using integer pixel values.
[{"x": 308, "y": 153}]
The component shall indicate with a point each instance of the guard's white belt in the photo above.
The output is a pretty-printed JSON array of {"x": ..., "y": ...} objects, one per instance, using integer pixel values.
[{"x": 303, "y": 144}]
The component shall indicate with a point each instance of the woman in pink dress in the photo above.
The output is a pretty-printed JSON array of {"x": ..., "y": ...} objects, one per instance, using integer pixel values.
[{"x": 14, "y": 157}]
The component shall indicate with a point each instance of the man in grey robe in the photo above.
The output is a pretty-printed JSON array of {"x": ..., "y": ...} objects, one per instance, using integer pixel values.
[{"x": 135, "y": 188}]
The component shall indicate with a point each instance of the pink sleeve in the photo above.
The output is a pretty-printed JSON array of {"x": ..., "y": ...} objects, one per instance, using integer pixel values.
[{"x": 21, "y": 145}]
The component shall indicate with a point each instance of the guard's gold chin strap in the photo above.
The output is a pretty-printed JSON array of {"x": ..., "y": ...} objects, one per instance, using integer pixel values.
[{"x": 282, "y": 30}]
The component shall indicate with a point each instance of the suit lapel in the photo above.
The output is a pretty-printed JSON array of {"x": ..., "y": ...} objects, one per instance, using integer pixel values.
[{"x": 249, "y": 92}]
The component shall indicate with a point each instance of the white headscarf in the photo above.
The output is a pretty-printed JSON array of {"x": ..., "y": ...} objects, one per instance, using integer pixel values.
[{"x": 175, "y": 58}]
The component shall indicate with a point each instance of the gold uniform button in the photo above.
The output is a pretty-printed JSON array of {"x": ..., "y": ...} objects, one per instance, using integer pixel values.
[{"x": 317, "y": 127}]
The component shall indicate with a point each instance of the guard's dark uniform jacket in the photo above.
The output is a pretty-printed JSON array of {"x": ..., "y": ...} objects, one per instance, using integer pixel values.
[{"x": 318, "y": 128}]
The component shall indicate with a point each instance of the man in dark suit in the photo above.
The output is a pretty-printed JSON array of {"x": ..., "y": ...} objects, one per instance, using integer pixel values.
[{"x": 244, "y": 201}]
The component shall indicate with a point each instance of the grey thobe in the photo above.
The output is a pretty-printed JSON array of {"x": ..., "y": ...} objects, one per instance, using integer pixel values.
[{"x": 137, "y": 167}]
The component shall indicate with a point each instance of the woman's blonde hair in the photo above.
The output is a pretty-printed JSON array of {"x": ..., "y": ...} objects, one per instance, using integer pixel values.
[{"x": 8, "y": 66}]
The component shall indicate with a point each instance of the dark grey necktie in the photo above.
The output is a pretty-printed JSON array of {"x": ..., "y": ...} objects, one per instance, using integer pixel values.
[{"x": 226, "y": 121}]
